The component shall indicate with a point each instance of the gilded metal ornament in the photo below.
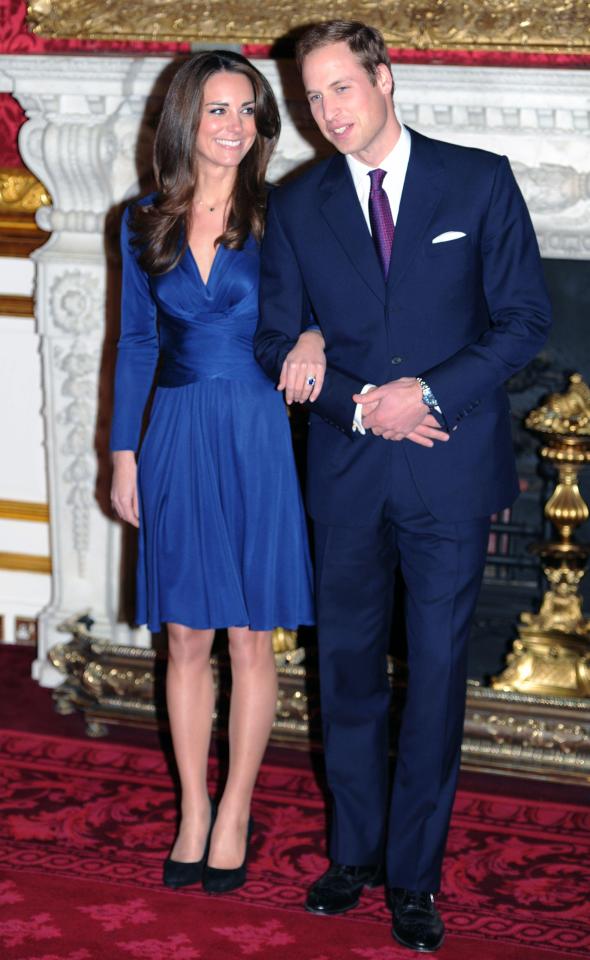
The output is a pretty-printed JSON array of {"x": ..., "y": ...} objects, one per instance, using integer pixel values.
[
  {"x": 20, "y": 192},
  {"x": 21, "y": 195},
  {"x": 552, "y": 652},
  {"x": 117, "y": 684},
  {"x": 537, "y": 736},
  {"x": 555, "y": 26}
]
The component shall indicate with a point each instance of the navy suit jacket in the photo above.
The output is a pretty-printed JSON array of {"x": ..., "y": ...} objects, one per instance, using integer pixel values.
[{"x": 464, "y": 314}]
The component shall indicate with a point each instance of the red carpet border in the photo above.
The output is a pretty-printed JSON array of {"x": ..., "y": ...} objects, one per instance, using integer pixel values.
[{"x": 85, "y": 827}]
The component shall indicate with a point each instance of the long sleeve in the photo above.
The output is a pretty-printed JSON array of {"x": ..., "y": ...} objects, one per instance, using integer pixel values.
[
  {"x": 519, "y": 309},
  {"x": 284, "y": 314},
  {"x": 137, "y": 352}
]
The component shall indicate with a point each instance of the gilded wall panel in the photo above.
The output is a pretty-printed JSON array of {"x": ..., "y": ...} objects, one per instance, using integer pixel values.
[{"x": 552, "y": 26}]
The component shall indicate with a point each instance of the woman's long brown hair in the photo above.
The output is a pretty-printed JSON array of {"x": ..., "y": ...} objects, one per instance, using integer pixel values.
[{"x": 160, "y": 228}]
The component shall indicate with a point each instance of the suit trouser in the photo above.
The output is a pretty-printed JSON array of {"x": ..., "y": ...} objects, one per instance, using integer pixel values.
[{"x": 442, "y": 565}]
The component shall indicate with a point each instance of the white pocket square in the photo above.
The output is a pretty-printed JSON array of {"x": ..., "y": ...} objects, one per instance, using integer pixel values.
[{"x": 449, "y": 235}]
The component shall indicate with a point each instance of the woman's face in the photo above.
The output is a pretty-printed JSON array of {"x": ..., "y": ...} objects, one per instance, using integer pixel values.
[{"x": 227, "y": 129}]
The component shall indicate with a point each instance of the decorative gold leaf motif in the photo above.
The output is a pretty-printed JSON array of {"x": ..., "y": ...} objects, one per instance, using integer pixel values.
[
  {"x": 551, "y": 26},
  {"x": 21, "y": 192},
  {"x": 546, "y": 736},
  {"x": 564, "y": 413}
]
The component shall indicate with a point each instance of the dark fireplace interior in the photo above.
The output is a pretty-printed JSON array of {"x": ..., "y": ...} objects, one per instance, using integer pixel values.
[{"x": 513, "y": 579}]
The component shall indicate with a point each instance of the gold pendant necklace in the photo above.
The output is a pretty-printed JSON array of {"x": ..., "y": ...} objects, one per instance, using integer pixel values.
[{"x": 210, "y": 207}]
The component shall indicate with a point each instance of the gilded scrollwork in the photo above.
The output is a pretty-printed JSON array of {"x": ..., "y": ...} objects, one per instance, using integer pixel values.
[
  {"x": 531, "y": 740},
  {"x": 564, "y": 413},
  {"x": 105, "y": 680},
  {"x": 556, "y": 25},
  {"x": 21, "y": 193},
  {"x": 561, "y": 609},
  {"x": 513, "y": 731}
]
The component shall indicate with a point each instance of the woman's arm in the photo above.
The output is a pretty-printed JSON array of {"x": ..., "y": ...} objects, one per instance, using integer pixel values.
[
  {"x": 124, "y": 486},
  {"x": 137, "y": 357}
]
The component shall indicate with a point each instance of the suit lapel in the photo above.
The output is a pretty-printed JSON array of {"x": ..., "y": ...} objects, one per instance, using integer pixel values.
[
  {"x": 342, "y": 210},
  {"x": 420, "y": 197}
]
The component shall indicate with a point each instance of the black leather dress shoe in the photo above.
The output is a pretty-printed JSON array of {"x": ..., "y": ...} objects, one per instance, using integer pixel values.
[
  {"x": 180, "y": 873},
  {"x": 417, "y": 923},
  {"x": 340, "y": 887}
]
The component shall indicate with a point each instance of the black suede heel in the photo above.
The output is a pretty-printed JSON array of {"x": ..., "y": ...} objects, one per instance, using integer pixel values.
[
  {"x": 182, "y": 874},
  {"x": 219, "y": 880}
]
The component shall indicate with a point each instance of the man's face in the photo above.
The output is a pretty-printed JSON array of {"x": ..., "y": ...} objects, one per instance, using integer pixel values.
[{"x": 354, "y": 114}]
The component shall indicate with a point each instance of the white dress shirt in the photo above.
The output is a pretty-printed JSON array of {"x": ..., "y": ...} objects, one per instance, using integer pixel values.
[{"x": 395, "y": 165}]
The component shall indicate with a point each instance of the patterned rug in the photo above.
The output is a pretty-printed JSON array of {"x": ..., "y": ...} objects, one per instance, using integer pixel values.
[{"x": 85, "y": 826}]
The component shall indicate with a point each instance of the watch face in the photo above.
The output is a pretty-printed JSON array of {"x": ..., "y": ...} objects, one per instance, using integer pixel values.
[
  {"x": 426, "y": 393},
  {"x": 428, "y": 397}
]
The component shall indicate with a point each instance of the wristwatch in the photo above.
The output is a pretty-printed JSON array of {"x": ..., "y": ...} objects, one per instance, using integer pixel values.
[{"x": 427, "y": 396}]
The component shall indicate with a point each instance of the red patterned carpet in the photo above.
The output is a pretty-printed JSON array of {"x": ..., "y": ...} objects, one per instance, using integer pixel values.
[{"x": 85, "y": 826}]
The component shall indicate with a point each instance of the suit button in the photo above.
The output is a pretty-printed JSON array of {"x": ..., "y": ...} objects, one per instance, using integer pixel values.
[{"x": 396, "y": 360}]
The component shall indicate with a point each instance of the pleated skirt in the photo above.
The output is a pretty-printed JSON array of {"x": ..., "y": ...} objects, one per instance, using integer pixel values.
[{"x": 222, "y": 537}]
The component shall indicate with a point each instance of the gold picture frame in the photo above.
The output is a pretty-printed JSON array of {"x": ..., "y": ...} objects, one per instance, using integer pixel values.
[{"x": 550, "y": 26}]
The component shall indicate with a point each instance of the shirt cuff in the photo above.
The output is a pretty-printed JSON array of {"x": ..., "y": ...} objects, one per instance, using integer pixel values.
[{"x": 357, "y": 423}]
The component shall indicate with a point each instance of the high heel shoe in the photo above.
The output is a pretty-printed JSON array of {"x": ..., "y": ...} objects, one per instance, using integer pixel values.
[
  {"x": 220, "y": 880},
  {"x": 182, "y": 874}
]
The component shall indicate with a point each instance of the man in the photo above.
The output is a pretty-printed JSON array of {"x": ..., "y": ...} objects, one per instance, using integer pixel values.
[{"x": 419, "y": 263}]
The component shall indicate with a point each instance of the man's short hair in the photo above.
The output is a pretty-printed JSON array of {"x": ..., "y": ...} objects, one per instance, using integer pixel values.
[{"x": 365, "y": 42}]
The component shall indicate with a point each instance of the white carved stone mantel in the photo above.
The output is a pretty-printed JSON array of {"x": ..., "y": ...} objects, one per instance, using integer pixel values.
[{"x": 80, "y": 139}]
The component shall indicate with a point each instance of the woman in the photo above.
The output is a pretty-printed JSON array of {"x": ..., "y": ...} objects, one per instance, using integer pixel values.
[{"x": 222, "y": 540}]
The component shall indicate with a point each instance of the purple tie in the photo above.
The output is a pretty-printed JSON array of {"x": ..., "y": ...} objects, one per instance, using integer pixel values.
[{"x": 381, "y": 220}]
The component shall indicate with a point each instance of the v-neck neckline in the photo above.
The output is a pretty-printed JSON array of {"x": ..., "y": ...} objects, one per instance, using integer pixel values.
[{"x": 211, "y": 268}]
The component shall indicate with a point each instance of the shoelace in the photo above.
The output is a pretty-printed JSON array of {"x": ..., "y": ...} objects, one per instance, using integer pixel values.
[
  {"x": 416, "y": 900},
  {"x": 342, "y": 872}
]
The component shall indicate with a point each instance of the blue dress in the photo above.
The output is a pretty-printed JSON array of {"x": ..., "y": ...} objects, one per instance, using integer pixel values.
[{"x": 222, "y": 533}]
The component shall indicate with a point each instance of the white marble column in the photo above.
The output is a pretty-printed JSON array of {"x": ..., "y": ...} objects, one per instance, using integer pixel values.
[
  {"x": 80, "y": 140},
  {"x": 85, "y": 115}
]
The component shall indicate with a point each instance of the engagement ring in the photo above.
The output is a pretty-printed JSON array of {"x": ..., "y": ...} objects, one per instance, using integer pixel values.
[{"x": 311, "y": 381}]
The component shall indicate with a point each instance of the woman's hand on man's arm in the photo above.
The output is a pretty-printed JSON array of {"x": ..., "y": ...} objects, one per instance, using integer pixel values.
[{"x": 304, "y": 368}]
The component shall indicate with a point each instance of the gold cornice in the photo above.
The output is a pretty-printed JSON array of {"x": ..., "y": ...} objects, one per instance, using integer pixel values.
[
  {"x": 12, "y": 305},
  {"x": 550, "y": 26},
  {"x": 26, "y": 562},
  {"x": 24, "y": 510}
]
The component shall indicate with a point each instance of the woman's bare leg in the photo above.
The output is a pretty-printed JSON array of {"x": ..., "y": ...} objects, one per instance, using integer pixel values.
[
  {"x": 190, "y": 701},
  {"x": 252, "y": 711}
]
